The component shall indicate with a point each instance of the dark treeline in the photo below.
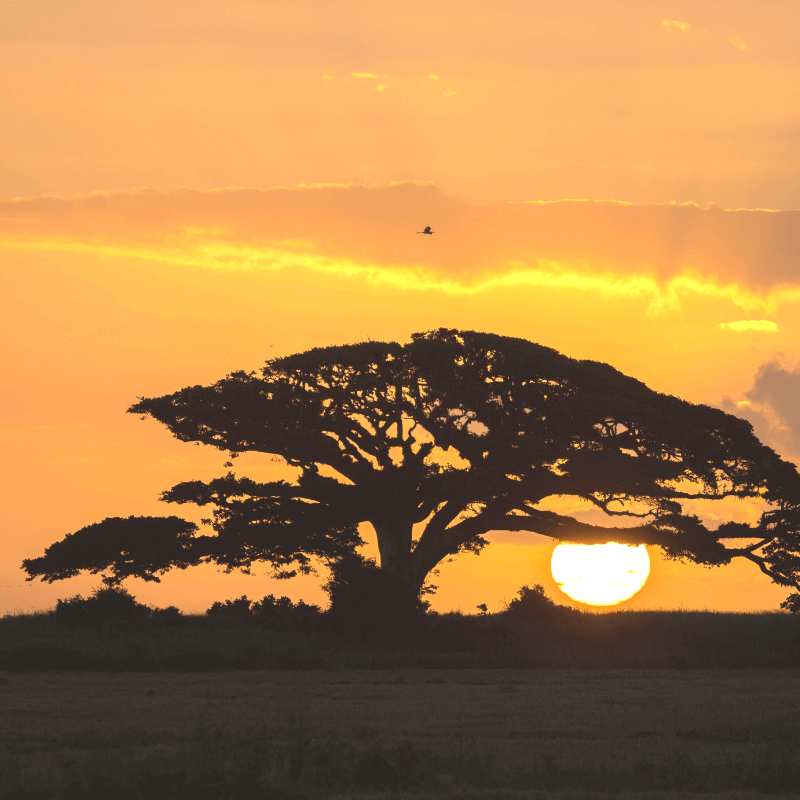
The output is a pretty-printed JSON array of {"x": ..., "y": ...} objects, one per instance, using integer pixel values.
[{"x": 112, "y": 631}]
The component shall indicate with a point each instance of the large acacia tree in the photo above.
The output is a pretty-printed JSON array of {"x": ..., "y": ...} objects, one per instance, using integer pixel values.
[{"x": 435, "y": 443}]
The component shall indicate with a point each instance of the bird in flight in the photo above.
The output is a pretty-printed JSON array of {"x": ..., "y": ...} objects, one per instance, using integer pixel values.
[{"x": 427, "y": 230}]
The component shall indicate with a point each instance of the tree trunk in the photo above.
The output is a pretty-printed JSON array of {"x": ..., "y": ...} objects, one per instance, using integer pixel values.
[
  {"x": 394, "y": 545},
  {"x": 382, "y": 604},
  {"x": 396, "y": 586}
]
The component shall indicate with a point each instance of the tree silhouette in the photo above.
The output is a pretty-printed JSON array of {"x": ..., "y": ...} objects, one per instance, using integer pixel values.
[{"x": 436, "y": 443}]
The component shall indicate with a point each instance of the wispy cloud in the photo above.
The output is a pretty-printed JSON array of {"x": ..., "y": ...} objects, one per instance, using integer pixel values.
[
  {"x": 676, "y": 25},
  {"x": 765, "y": 325},
  {"x": 661, "y": 253},
  {"x": 738, "y": 44},
  {"x": 365, "y": 75}
]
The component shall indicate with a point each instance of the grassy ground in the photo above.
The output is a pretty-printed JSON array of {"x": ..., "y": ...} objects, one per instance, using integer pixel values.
[
  {"x": 484, "y": 734},
  {"x": 645, "y": 640}
]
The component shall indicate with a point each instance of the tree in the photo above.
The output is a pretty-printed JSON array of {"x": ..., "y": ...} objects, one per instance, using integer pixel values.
[{"x": 439, "y": 441}]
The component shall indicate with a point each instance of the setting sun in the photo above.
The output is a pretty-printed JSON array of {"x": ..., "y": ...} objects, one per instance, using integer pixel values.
[{"x": 600, "y": 574}]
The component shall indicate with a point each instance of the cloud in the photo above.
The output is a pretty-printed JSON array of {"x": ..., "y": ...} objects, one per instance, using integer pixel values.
[
  {"x": 777, "y": 389},
  {"x": 772, "y": 406},
  {"x": 765, "y": 325},
  {"x": 380, "y": 87},
  {"x": 738, "y": 44},
  {"x": 675, "y": 25},
  {"x": 657, "y": 252},
  {"x": 365, "y": 75}
]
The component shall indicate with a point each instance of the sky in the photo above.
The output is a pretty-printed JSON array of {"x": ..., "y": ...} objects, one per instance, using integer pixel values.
[{"x": 188, "y": 189}]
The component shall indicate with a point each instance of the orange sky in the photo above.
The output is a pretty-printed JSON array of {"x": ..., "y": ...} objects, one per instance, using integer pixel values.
[{"x": 665, "y": 133}]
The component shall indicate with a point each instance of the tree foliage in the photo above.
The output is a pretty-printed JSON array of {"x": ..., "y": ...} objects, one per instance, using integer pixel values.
[
  {"x": 439, "y": 441},
  {"x": 121, "y": 547}
]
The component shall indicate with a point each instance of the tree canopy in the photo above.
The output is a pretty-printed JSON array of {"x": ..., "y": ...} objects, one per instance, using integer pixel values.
[{"x": 439, "y": 441}]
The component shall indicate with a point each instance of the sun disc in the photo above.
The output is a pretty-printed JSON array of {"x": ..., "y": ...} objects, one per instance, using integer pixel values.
[{"x": 600, "y": 574}]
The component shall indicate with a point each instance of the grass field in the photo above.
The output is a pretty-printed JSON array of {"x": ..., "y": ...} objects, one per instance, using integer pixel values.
[
  {"x": 622, "y": 640},
  {"x": 488, "y": 734}
]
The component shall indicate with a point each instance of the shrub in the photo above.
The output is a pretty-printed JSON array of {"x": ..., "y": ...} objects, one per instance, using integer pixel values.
[
  {"x": 106, "y": 604},
  {"x": 169, "y": 615},
  {"x": 270, "y": 612},
  {"x": 231, "y": 609},
  {"x": 367, "y": 602},
  {"x": 283, "y": 612},
  {"x": 532, "y": 602},
  {"x": 792, "y": 603}
]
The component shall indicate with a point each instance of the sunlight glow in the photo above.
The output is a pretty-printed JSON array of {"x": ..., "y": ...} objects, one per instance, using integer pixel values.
[
  {"x": 765, "y": 325},
  {"x": 600, "y": 574},
  {"x": 212, "y": 253}
]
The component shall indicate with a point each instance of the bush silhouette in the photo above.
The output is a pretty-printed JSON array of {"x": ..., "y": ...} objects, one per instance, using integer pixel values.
[
  {"x": 792, "y": 604},
  {"x": 284, "y": 613},
  {"x": 168, "y": 615},
  {"x": 231, "y": 609},
  {"x": 106, "y": 604},
  {"x": 269, "y": 611},
  {"x": 365, "y": 599},
  {"x": 532, "y": 602}
]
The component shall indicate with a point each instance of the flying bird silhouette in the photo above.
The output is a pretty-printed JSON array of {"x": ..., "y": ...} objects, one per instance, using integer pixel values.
[{"x": 427, "y": 230}]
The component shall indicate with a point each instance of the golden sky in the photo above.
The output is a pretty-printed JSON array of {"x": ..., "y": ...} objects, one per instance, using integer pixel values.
[{"x": 187, "y": 189}]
